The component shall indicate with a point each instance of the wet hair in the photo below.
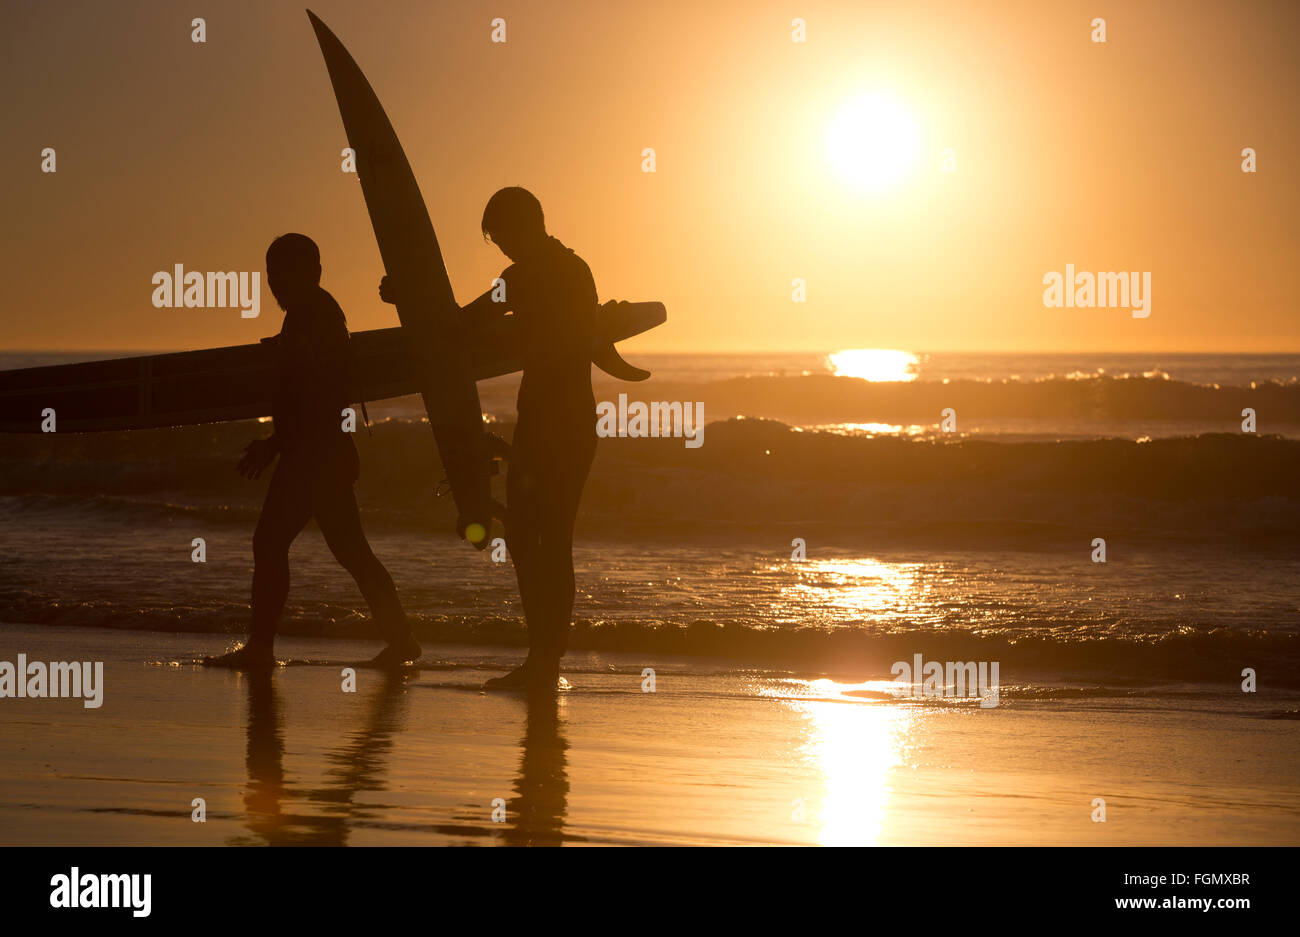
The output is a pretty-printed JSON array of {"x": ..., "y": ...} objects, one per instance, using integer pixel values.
[
  {"x": 292, "y": 252},
  {"x": 514, "y": 209}
]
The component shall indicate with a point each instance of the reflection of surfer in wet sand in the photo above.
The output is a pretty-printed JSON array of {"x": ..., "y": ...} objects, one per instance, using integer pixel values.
[
  {"x": 552, "y": 294},
  {"x": 318, "y": 462}
]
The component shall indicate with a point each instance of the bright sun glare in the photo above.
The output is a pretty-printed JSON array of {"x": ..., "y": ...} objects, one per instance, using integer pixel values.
[
  {"x": 875, "y": 364},
  {"x": 873, "y": 141}
]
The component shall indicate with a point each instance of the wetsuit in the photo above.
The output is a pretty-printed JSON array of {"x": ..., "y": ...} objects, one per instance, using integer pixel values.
[
  {"x": 317, "y": 468},
  {"x": 553, "y": 297}
]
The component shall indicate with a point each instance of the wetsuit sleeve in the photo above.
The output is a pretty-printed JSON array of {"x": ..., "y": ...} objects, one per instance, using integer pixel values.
[
  {"x": 489, "y": 308},
  {"x": 484, "y": 309},
  {"x": 285, "y": 417}
]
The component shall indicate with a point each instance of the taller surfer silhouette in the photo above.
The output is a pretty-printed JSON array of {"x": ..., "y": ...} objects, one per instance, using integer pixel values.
[
  {"x": 318, "y": 461},
  {"x": 550, "y": 291}
]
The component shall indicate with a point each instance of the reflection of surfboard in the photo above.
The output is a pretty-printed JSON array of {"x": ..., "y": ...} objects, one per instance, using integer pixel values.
[
  {"x": 428, "y": 310},
  {"x": 234, "y": 383}
]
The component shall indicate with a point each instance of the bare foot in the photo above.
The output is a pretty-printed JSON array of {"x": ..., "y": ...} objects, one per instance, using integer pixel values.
[
  {"x": 533, "y": 675},
  {"x": 396, "y": 656},
  {"x": 516, "y": 679},
  {"x": 247, "y": 657}
]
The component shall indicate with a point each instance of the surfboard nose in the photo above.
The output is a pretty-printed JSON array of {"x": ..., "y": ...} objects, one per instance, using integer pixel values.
[{"x": 324, "y": 35}]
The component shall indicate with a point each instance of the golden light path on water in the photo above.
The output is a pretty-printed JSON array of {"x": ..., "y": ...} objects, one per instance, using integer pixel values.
[
  {"x": 857, "y": 734},
  {"x": 856, "y": 737},
  {"x": 874, "y": 364},
  {"x": 864, "y": 588},
  {"x": 856, "y": 745}
]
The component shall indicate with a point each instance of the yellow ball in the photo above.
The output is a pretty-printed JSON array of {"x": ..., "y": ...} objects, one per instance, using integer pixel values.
[{"x": 475, "y": 532}]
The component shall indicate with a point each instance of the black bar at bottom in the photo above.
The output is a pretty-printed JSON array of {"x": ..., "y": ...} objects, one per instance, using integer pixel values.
[{"x": 367, "y": 885}]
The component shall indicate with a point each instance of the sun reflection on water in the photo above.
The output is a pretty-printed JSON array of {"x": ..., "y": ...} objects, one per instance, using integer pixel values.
[
  {"x": 855, "y": 744},
  {"x": 864, "y": 587}
]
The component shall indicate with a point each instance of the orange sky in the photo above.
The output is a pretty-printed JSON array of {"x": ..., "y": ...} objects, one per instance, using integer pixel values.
[{"x": 1116, "y": 157}]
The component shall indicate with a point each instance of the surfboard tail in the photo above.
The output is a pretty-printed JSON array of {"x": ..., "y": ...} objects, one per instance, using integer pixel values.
[
  {"x": 469, "y": 467},
  {"x": 620, "y": 320}
]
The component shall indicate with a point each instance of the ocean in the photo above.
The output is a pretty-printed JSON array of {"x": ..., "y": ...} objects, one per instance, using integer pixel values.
[{"x": 827, "y": 525}]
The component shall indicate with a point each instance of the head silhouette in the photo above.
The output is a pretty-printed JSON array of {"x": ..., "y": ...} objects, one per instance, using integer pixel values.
[
  {"x": 513, "y": 220},
  {"x": 292, "y": 268}
]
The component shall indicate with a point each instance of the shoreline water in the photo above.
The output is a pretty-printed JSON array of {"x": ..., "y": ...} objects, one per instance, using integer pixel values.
[
  {"x": 1181, "y": 612},
  {"x": 711, "y": 757}
]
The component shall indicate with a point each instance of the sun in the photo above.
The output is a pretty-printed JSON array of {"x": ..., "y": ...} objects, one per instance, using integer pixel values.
[
  {"x": 873, "y": 141},
  {"x": 875, "y": 364}
]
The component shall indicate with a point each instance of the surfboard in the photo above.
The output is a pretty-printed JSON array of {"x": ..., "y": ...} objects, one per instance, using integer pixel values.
[
  {"x": 427, "y": 310},
  {"x": 235, "y": 383}
]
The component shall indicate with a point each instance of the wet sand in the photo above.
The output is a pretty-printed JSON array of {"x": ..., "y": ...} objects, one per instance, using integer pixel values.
[{"x": 714, "y": 755}]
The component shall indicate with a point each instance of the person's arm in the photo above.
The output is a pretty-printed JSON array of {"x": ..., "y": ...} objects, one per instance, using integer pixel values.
[
  {"x": 479, "y": 310},
  {"x": 260, "y": 453},
  {"x": 484, "y": 308}
]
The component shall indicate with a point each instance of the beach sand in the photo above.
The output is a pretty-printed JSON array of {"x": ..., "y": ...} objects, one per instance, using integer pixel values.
[{"x": 716, "y": 755}]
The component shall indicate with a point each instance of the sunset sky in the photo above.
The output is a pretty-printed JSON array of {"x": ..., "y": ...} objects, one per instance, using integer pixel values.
[{"x": 1122, "y": 156}]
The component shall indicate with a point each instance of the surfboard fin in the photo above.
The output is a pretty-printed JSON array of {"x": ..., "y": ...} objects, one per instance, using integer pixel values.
[{"x": 607, "y": 358}]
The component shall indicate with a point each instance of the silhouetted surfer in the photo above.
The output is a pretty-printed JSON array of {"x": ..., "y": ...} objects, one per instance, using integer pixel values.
[
  {"x": 552, "y": 294},
  {"x": 318, "y": 461}
]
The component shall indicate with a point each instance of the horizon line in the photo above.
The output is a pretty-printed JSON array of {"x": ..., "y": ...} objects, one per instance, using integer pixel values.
[{"x": 723, "y": 351}]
